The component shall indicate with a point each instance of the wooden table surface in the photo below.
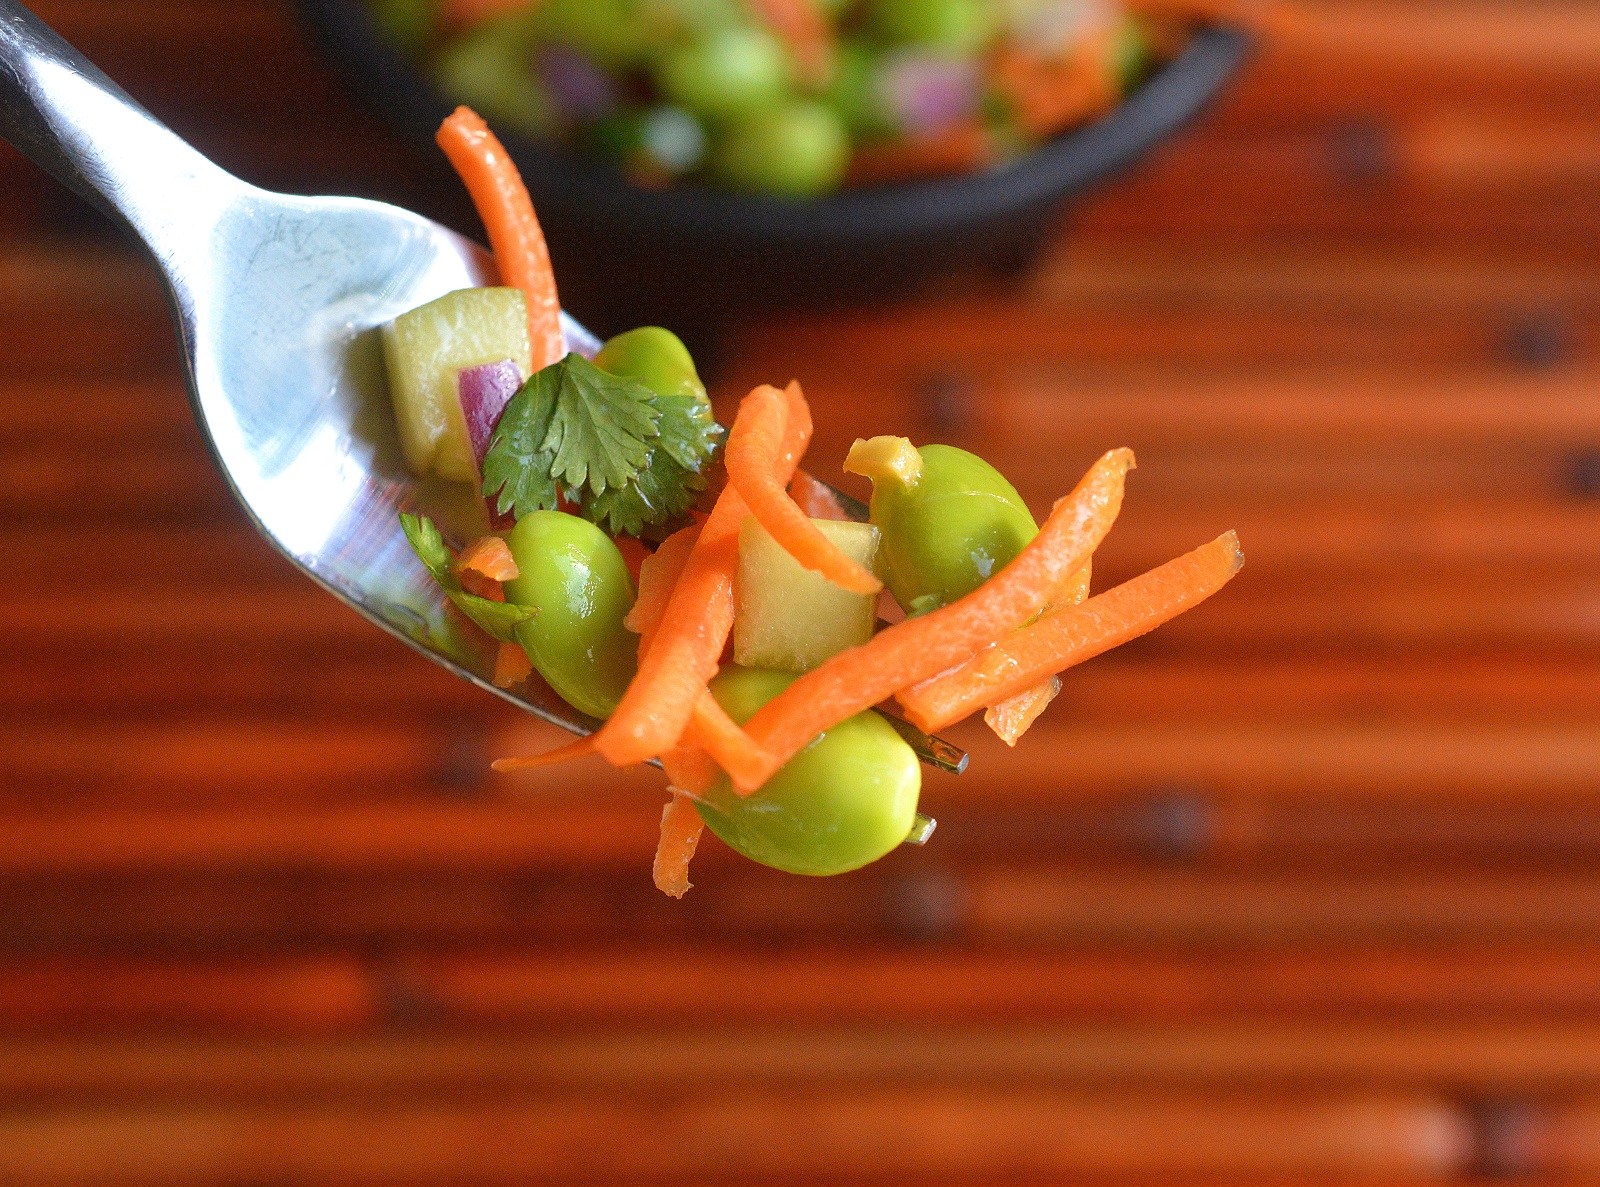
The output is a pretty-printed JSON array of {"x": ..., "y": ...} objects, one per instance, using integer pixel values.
[{"x": 1304, "y": 888}]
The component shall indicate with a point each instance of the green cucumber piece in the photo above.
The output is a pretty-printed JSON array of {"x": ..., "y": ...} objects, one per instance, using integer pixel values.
[
  {"x": 789, "y": 619},
  {"x": 424, "y": 350}
]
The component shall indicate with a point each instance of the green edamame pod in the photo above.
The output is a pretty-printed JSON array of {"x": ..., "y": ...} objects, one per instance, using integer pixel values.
[
  {"x": 949, "y": 519},
  {"x": 953, "y": 26},
  {"x": 655, "y": 357},
  {"x": 797, "y": 149},
  {"x": 571, "y": 573},
  {"x": 726, "y": 74},
  {"x": 844, "y": 801}
]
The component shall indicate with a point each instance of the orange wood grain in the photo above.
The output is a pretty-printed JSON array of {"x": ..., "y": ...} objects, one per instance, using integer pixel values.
[
  {"x": 1302, "y": 889},
  {"x": 945, "y": 1132}
]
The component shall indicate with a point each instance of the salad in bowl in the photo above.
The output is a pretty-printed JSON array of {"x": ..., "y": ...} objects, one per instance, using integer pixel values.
[{"x": 787, "y": 97}]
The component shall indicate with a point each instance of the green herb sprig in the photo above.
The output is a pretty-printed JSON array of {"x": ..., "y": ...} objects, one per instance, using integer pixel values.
[
  {"x": 630, "y": 459},
  {"x": 500, "y": 619}
]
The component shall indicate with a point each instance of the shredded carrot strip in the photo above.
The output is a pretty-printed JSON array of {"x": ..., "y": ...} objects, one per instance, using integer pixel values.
[
  {"x": 918, "y": 648},
  {"x": 755, "y": 444},
  {"x": 476, "y": 583},
  {"x": 1075, "y": 633},
  {"x": 1012, "y": 717},
  {"x": 796, "y": 433},
  {"x": 710, "y": 728},
  {"x": 511, "y": 666},
  {"x": 515, "y": 236},
  {"x": 579, "y": 749},
  {"x": 735, "y": 751},
  {"x": 686, "y": 649},
  {"x": 689, "y": 768},
  {"x": 816, "y": 500},
  {"x": 1049, "y": 94},
  {"x": 803, "y": 27},
  {"x": 661, "y": 700},
  {"x": 1075, "y": 588},
  {"x": 680, "y": 833},
  {"x": 658, "y": 577},
  {"x": 489, "y": 555},
  {"x": 633, "y": 554}
]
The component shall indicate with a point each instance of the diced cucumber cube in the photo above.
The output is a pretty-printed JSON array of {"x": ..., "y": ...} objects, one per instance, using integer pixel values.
[
  {"x": 788, "y": 618},
  {"x": 424, "y": 349}
]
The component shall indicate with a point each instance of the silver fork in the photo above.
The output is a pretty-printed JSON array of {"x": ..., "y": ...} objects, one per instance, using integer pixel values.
[{"x": 276, "y": 298}]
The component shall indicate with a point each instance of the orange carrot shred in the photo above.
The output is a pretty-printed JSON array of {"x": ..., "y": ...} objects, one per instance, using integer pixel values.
[
  {"x": 755, "y": 444},
  {"x": 683, "y": 655},
  {"x": 673, "y": 671},
  {"x": 803, "y": 28},
  {"x": 914, "y": 650},
  {"x": 476, "y": 583},
  {"x": 709, "y": 727},
  {"x": 579, "y": 749},
  {"x": 1073, "y": 634},
  {"x": 1048, "y": 94},
  {"x": 515, "y": 236},
  {"x": 1012, "y": 717},
  {"x": 489, "y": 555},
  {"x": 816, "y": 500},
  {"x": 735, "y": 751},
  {"x": 796, "y": 432},
  {"x": 633, "y": 554},
  {"x": 680, "y": 833},
  {"x": 658, "y": 577},
  {"x": 689, "y": 768},
  {"x": 511, "y": 666}
]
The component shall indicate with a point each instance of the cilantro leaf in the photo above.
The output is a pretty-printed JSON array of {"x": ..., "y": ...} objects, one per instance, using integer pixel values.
[
  {"x": 690, "y": 435},
  {"x": 518, "y": 467},
  {"x": 661, "y": 494},
  {"x": 671, "y": 482},
  {"x": 601, "y": 429},
  {"x": 500, "y": 619},
  {"x": 630, "y": 459}
]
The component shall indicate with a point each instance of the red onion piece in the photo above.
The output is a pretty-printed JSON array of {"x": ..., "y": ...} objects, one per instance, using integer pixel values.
[
  {"x": 485, "y": 390},
  {"x": 582, "y": 90},
  {"x": 928, "y": 93}
]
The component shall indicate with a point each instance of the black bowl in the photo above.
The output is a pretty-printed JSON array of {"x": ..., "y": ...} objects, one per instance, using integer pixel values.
[{"x": 689, "y": 252}]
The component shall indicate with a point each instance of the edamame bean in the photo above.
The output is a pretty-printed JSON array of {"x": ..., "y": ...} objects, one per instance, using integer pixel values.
[
  {"x": 572, "y": 575},
  {"x": 489, "y": 68},
  {"x": 844, "y": 801},
  {"x": 656, "y": 357},
  {"x": 855, "y": 93},
  {"x": 726, "y": 74},
  {"x": 947, "y": 528},
  {"x": 797, "y": 150},
  {"x": 608, "y": 31},
  {"x": 954, "y": 26}
]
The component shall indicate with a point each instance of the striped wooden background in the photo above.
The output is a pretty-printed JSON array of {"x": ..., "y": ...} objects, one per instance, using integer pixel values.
[{"x": 1304, "y": 889}]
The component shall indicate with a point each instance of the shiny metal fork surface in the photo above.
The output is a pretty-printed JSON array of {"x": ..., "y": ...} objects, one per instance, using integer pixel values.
[{"x": 277, "y": 299}]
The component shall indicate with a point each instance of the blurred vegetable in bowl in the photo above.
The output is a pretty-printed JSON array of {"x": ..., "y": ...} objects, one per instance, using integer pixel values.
[
  {"x": 793, "y": 98},
  {"x": 660, "y": 238}
]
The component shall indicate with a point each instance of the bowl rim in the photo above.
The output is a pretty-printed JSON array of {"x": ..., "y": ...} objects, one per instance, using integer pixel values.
[{"x": 400, "y": 92}]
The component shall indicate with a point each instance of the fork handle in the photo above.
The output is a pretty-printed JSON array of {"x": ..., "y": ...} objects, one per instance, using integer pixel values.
[{"x": 80, "y": 127}]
